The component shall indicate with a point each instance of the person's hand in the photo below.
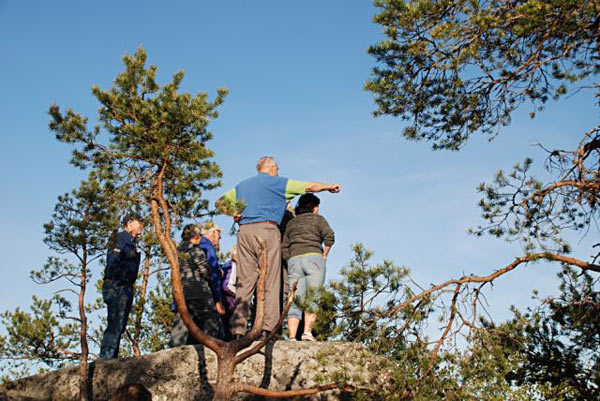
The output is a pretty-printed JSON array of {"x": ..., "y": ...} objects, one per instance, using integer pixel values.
[
  {"x": 220, "y": 308},
  {"x": 334, "y": 189}
]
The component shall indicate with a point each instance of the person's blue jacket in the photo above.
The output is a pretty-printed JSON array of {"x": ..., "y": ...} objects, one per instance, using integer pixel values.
[
  {"x": 213, "y": 263},
  {"x": 123, "y": 261}
]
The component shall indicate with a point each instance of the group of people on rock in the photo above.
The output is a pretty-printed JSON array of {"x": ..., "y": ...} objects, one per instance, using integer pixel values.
[{"x": 219, "y": 295}]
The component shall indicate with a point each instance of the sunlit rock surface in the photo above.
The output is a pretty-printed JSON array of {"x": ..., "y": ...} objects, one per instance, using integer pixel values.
[{"x": 187, "y": 373}]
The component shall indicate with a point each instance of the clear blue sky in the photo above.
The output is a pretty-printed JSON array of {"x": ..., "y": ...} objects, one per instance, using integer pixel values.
[{"x": 295, "y": 72}]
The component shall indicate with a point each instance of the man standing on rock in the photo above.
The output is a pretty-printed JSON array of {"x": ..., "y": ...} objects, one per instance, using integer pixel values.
[
  {"x": 122, "y": 264},
  {"x": 265, "y": 197}
]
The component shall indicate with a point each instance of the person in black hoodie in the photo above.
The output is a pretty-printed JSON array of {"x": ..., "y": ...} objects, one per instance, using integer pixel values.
[{"x": 122, "y": 264}]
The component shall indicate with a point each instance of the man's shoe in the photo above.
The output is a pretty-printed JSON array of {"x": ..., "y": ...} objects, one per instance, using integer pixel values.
[
  {"x": 308, "y": 337},
  {"x": 265, "y": 333}
]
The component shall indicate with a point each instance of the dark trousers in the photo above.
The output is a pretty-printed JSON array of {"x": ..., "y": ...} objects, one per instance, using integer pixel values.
[
  {"x": 205, "y": 316},
  {"x": 118, "y": 300}
]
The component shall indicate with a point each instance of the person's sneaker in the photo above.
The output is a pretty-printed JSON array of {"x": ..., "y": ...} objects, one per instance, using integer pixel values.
[
  {"x": 292, "y": 339},
  {"x": 308, "y": 337}
]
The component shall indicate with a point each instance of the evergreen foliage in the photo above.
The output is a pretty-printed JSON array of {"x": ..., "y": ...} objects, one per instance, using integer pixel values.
[
  {"x": 456, "y": 67},
  {"x": 144, "y": 129},
  {"x": 79, "y": 228},
  {"x": 562, "y": 340},
  {"x": 39, "y": 337},
  {"x": 357, "y": 308}
]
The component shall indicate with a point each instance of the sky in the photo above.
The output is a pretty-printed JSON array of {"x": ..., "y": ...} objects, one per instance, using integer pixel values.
[{"x": 295, "y": 71}]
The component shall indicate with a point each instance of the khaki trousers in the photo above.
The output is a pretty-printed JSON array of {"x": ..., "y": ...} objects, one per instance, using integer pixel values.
[{"x": 247, "y": 274}]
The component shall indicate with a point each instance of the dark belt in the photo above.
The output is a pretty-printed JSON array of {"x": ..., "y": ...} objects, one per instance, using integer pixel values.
[{"x": 259, "y": 222}]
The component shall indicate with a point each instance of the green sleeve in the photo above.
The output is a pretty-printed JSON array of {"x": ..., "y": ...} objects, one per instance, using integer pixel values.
[
  {"x": 294, "y": 188},
  {"x": 230, "y": 196}
]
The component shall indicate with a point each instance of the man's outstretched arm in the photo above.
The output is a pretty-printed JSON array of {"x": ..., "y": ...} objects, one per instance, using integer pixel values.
[
  {"x": 295, "y": 188},
  {"x": 319, "y": 187}
]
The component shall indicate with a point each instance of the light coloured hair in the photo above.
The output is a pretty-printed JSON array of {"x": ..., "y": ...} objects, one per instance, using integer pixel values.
[
  {"x": 210, "y": 227},
  {"x": 260, "y": 164}
]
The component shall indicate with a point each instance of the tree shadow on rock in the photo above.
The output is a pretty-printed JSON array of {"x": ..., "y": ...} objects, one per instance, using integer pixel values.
[
  {"x": 294, "y": 376},
  {"x": 90, "y": 380},
  {"x": 267, "y": 372}
]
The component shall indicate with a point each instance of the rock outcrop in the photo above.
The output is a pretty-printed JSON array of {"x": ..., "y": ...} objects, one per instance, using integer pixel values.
[{"x": 187, "y": 373}]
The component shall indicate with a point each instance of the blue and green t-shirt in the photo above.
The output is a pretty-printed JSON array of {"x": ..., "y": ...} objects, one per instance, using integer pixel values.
[{"x": 265, "y": 197}]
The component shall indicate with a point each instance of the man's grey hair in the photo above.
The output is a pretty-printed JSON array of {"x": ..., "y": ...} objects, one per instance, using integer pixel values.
[{"x": 260, "y": 164}]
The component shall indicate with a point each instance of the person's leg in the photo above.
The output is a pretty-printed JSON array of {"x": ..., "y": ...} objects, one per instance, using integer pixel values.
[
  {"x": 210, "y": 320},
  {"x": 285, "y": 288},
  {"x": 179, "y": 332},
  {"x": 110, "y": 339},
  {"x": 203, "y": 312},
  {"x": 293, "y": 323},
  {"x": 296, "y": 275},
  {"x": 247, "y": 275},
  {"x": 194, "y": 307},
  {"x": 225, "y": 319},
  {"x": 125, "y": 303},
  {"x": 314, "y": 268},
  {"x": 309, "y": 320},
  {"x": 273, "y": 280},
  {"x": 214, "y": 325}
]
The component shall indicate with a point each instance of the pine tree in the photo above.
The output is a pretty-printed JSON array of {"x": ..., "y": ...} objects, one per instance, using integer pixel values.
[
  {"x": 79, "y": 229},
  {"x": 38, "y": 339}
]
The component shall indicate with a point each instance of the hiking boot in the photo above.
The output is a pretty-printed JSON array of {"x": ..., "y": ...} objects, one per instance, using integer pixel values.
[{"x": 308, "y": 337}]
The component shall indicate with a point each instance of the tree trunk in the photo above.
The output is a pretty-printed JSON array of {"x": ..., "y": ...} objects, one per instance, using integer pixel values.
[
  {"x": 83, "y": 365},
  {"x": 158, "y": 206},
  {"x": 135, "y": 341},
  {"x": 225, "y": 386}
]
